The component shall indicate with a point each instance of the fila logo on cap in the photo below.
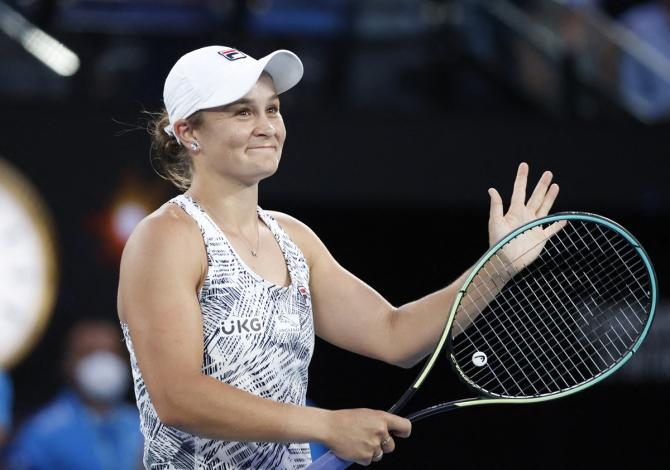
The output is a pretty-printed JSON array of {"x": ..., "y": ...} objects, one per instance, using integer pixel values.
[{"x": 232, "y": 54}]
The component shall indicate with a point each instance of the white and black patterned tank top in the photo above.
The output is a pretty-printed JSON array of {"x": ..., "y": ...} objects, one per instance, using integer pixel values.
[{"x": 258, "y": 337}]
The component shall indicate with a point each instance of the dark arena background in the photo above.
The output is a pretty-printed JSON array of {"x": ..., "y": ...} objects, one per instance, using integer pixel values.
[{"x": 409, "y": 110}]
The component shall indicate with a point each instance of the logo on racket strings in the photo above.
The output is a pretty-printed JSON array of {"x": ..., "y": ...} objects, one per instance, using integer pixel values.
[{"x": 479, "y": 359}]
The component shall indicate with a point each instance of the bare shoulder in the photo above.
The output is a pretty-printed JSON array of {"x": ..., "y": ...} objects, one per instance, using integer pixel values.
[
  {"x": 294, "y": 227},
  {"x": 166, "y": 236},
  {"x": 300, "y": 233},
  {"x": 164, "y": 254},
  {"x": 288, "y": 222},
  {"x": 169, "y": 224}
]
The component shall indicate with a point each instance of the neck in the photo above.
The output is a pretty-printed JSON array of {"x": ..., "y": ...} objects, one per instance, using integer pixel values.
[{"x": 233, "y": 206}]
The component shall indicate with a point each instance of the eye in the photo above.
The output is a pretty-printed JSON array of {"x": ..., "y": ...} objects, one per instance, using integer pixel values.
[
  {"x": 273, "y": 109},
  {"x": 243, "y": 112}
]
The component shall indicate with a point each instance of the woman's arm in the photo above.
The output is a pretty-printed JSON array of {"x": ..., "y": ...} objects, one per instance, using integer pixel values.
[
  {"x": 352, "y": 315},
  {"x": 161, "y": 269}
]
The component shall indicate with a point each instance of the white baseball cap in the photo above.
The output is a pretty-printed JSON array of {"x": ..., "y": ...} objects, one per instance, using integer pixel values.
[{"x": 218, "y": 75}]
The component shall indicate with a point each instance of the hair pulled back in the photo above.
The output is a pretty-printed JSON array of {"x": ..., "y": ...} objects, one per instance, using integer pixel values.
[{"x": 169, "y": 158}]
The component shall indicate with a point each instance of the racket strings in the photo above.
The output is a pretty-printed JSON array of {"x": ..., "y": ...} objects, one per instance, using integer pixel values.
[
  {"x": 562, "y": 362},
  {"x": 516, "y": 300},
  {"x": 616, "y": 252},
  {"x": 611, "y": 288},
  {"x": 566, "y": 319},
  {"x": 528, "y": 334},
  {"x": 529, "y": 275},
  {"x": 533, "y": 349},
  {"x": 550, "y": 342},
  {"x": 542, "y": 372},
  {"x": 581, "y": 324}
]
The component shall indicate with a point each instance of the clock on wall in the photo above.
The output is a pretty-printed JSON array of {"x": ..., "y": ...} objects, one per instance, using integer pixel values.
[{"x": 28, "y": 273}]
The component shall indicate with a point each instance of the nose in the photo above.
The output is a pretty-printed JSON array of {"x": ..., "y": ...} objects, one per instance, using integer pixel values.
[{"x": 265, "y": 127}]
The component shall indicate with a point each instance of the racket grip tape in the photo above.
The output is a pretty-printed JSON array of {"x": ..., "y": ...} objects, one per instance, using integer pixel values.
[{"x": 329, "y": 461}]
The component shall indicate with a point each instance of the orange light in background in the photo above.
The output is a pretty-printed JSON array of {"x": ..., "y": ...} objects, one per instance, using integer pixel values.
[
  {"x": 125, "y": 216},
  {"x": 133, "y": 200}
]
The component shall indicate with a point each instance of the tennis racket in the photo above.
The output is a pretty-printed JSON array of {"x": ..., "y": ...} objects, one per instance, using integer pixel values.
[{"x": 553, "y": 308}]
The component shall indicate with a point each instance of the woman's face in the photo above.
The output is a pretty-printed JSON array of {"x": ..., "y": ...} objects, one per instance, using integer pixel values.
[{"x": 242, "y": 141}]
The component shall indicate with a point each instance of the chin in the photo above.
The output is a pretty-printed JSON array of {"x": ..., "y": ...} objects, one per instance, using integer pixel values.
[
  {"x": 263, "y": 173},
  {"x": 268, "y": 173}
]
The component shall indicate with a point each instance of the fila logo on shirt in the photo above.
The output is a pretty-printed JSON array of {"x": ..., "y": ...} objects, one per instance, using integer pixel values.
[
  {"x": 231, "y": 54},
  {"x": 240, "y": 326}
]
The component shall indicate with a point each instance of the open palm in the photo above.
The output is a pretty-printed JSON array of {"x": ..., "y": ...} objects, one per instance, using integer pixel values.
[{"x": 524, "y": 249}]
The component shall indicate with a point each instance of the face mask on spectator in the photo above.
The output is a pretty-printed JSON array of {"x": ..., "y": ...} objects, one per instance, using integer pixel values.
[{"x": 102, "y": 376}]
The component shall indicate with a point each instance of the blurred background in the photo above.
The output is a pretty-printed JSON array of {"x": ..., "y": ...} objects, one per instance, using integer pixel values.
[{"x": 409, "y": 110}]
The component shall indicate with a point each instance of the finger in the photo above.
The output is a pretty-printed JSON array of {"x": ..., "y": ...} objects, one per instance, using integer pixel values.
[
  {"x": 535, "y": 200},
  {"x": 364, "y": 463},
  {"x": 519, "y": 193},
  {"x": 548, "y": 202},
  {"x": 398, "y": 426},
  {"x": 496, "y": 211},
  {"x": 378, "y": 455},
  {"x": 388, "y": 445}
]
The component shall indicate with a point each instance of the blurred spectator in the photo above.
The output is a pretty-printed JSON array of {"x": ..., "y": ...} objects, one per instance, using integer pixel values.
[
  {"x": 5, "y": 407},
  {"x": 641, "y": 87},
  {"x": 87, "y": 426}
]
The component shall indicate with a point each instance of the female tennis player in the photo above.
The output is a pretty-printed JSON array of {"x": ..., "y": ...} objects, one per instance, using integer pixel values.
[{"x": 219, "y": 300}]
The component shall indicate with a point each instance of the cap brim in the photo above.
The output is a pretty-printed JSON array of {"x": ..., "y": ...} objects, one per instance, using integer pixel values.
[{"x": 283, "y": 66}]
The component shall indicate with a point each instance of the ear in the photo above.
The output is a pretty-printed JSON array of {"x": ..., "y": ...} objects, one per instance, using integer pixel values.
[{"x": 184, "y": 132}]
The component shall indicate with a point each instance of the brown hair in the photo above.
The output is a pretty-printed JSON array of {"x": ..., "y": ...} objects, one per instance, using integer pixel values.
[{"x": 169, "y": 158}]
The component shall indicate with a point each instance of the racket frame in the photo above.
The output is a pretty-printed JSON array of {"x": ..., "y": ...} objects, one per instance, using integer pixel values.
[{"x": 485, "y": 397}]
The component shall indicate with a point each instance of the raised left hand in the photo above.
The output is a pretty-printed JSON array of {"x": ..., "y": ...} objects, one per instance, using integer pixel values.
[{"x": 523, "y": 250}]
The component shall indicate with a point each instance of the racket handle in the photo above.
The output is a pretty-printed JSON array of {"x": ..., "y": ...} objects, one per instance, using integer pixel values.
[{"x": 329, "y": 461}]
